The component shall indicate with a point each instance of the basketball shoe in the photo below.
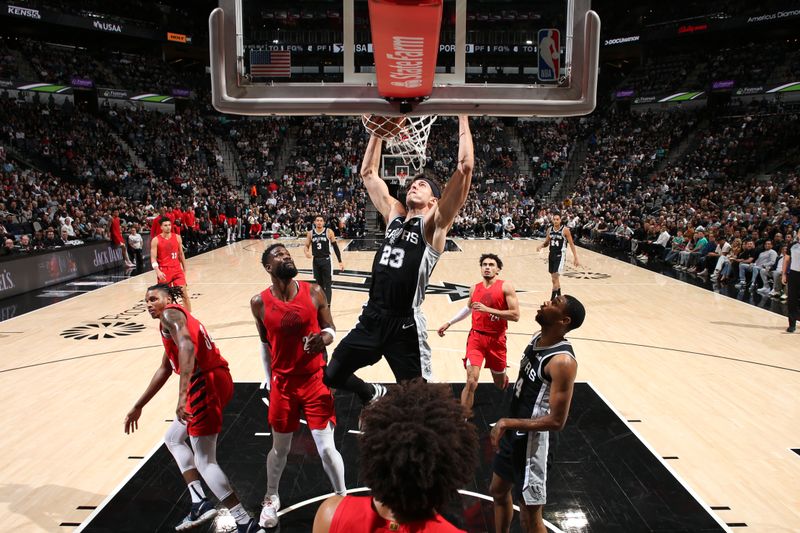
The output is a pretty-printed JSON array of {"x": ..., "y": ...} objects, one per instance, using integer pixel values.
[
  {"x": 200, "y": 513},
  {"x": 269, "y": 513}
]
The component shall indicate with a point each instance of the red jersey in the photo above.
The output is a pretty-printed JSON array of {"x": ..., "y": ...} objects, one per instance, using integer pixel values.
[
  {"x": 168, "y": 253},
  {"x": 355, "y": 514},
  {"x": 288, "y": 324},
  {"x": 189, "y": 220},
  {"x": 493, "y": 297},
  {"x": 207, "y": 356},
  {"x": 116, "y": 231}
]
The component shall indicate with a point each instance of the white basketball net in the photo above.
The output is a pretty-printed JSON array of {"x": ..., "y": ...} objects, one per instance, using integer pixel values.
[{"x": 410, "y": 143}]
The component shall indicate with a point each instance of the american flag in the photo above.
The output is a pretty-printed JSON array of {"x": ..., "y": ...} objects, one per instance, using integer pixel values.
[{"x": 270, "y": 64}]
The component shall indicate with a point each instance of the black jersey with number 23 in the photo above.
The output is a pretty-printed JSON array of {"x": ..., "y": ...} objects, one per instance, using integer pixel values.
[{"x": 402, "y": 267}]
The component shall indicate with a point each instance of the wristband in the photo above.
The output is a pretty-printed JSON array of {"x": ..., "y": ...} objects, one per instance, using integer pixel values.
[
  {"x": 155, "y": 265},
  {"x": 330, "y": 331}
]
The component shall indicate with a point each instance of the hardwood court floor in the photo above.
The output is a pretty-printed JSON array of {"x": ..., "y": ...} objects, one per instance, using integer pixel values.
[{"x": 710, "y": 381}]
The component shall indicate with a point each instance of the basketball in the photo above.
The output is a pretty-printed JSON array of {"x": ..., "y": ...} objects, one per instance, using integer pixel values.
[{"x": 384, "y": 127}]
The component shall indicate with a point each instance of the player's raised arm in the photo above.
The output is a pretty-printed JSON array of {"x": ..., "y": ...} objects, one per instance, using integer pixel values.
[
  {"x": 456, "y": 191},
  {"x": 378, "y": 191}
]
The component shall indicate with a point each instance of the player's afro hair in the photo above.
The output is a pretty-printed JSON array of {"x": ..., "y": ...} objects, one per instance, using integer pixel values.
[{"x": 417, "y": 449}]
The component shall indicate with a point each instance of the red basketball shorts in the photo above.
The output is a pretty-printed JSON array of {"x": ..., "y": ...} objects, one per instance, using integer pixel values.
[
  {"x": 209, "y": 393},
  {"x": 290, "y": 394},
  {"x": 175, "y": 277},
  {"x": 489, "y": 347}
]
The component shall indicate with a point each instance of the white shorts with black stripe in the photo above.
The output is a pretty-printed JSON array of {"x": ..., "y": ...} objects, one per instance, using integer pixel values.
[{"x": 522, "y": 461}]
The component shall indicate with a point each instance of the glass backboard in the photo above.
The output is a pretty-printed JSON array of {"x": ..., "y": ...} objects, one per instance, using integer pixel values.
[{"x": 503, "y": 58}]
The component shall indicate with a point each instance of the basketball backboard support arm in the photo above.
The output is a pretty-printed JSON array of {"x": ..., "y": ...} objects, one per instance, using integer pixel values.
[{"x": 356, "y": 97}]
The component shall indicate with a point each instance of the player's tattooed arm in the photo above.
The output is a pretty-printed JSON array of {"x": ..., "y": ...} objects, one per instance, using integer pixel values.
[
  {"x": 377, "y": 189},
  {"x": 318, "y": 341},
  {"x": 175, "y": 322},
  {"x": 257, "y": 308},
  {"x": 457, "y": 188}
]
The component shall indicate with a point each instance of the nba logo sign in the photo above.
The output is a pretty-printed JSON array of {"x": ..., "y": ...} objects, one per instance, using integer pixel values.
[{"x": 549, "y": 54}]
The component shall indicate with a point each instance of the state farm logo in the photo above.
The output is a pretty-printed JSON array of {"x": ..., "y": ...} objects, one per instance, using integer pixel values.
[
  {"x": 6, "y": 281},
  {"x": 109, "y": 326},
  {"x": 102, "y": 330},
  {"x": 24, "y": 12},
  {"x": 406, "y": 65}
]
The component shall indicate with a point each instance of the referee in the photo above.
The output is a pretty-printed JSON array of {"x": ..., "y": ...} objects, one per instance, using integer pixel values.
[
  {"x": 791, "y": 279},
  {"x": 319, "y": 242}
]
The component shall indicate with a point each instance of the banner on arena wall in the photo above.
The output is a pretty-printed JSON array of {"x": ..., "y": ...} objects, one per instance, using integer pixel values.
[
  {"x": 122, "y": 94},
  {"x": 82, "y": 83},
  {"x": 95, "y": 23},
  {"x": 102, "y": 92},
  {"x": 37, "y": 271},
  {"x": 114, "y": 94}
]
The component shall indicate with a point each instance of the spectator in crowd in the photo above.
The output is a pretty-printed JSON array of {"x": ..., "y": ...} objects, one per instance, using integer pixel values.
[
  {"x": 135, "y": 243},
  {"x": 8, "y": 248}
]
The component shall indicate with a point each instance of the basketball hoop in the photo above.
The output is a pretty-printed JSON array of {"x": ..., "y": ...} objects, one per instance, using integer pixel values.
[{"x": 408, "y": 139}]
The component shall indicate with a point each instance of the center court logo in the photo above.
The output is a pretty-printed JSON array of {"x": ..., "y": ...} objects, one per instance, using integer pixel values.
[
  {"x": 109, "y": 326},
  {"x": 577, "y": 274},
  {"x": 102, "y": 330}
]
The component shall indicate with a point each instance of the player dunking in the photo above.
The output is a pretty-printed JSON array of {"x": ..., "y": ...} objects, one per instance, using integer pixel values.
[
  {"x": 289, "y": 315},
  {"x": 540, "y": 402},
  {"x": 492, "y": 303},
  {"x": 204, "y": 390},
  {"x": 319, "y": 242},
  {"x": 392, "y": 323},
  {"x": 557, "y": 239},
  {"x": 169, "y": 264}
]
